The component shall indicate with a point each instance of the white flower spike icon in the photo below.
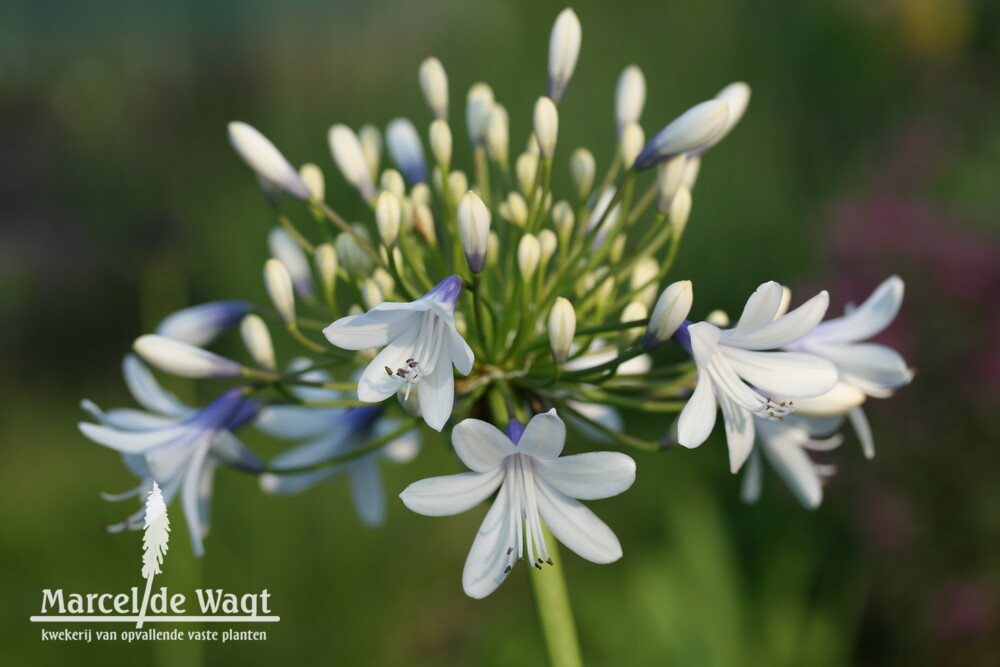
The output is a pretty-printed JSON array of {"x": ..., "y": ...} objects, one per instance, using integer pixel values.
[
  {"x": 535, "y": 484},
  {"x": 155, "y": 537}
]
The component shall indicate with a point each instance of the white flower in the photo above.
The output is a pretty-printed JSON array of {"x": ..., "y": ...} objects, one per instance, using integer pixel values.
[
  {"x": 421, "y": 345},
  {"x": 174, "y": 445},
  {"x": 535, "y": 485},
  {"x": 262, "y": 156},
  {"x": 564, "y": 49},
  {"x": 786, "y": 445},
  {"x": 865, "y": 369},
  {"x": 696, "y": 128},
  {"x": 733, "y": 368}
]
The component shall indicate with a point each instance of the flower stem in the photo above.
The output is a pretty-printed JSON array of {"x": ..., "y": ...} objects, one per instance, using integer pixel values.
[{"x": 555, "y": 615}]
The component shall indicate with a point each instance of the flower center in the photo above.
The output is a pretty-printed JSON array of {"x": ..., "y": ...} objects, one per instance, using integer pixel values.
[
  {"x": 524, "y": 509},
  {"x": 409, "y": 373},
  {"x": 772, "y": 409}
]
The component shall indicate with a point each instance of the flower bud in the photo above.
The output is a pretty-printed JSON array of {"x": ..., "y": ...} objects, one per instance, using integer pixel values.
[
  {"x": 563, "y": 219},
  {"x": 564, "y": 49},
  {"x": 387, "y": 217},
  {"x": 352, "y": 256},
  {"x": 279, "y": 287},
  {"x": 371, "y": 294},
  {"x": 697, "y": 127},
  {"x": 493, "y": 250},
  {"x": 474, "y": 228},
  {"x": 406, "y": 150},
  {"x": 680, "y": 209},
  {"x": 440, "y": 138},
  {"x": 526, "y": 168},
  {"x": 271, "y": 192},
  {"x": 312, "y": 176},
  {"x": 633, "y": 312},
  {"x": 458, "y": 184},
  {"x": 261, "y": 155},
  {"x": 582, "y": 168},
  {"x": 434, "y": 85},
  {"x": 548, "y": 242},
  {"x": 529, "y": 253},
  {"x": 562, "y": 328},
  {"x": 546, "y": 126},
  {"x": 423, "y": 222},
  {"x": 645, "y": 271},
  {"x": 498, "y": 134},
  {"x": 350, "y": 159},
  {"x": 737, "y": 96},
  {"x": 691, "y": 168},
  {"x": 631, "y": 144},
  {"x": 179, "y": 358},
  {"x": 384, "y": 279},
  {"x": 478, "y": 106},
  {"x": 257, "y": 340},
  {"x": 284, "y": 248},
  {"x": 617, "y": 248},
  {"x": 630, "y": 96},
  {"x": 669, "y": 180},
  {"x": 327, "y": 264},
  {"x": 514, "y": 209},
  {"x": 392, "y": 181},
  {"x": 719, "y": 318},
  {"x": 202, "y": 324},
  {"x": 671, "y": 309},
  {"x": 421, "y": 194},
  {"x": 371, "y": 147}
]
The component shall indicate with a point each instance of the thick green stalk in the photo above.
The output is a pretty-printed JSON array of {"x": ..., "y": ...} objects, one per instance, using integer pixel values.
[{"x": 555, "y": 615}]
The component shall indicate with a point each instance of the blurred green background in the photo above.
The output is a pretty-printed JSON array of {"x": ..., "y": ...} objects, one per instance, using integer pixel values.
[{"x": 871, "y": 147}]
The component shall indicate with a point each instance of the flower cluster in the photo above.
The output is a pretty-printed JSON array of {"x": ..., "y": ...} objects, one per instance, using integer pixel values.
[{"x": 487, "y": 304}]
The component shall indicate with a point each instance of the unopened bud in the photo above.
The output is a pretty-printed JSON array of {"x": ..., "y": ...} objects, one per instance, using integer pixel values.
[
  {"x": 284, "y": 248},
  {"x": 514, "y": 209},
  {"x": 202, "y": 324},
  {"x": 562, "y": 329},
  {"x": 498, "y": 134},
  {"x": 691, "y": 168},
  {"x": 423, "y": 222},
  {"x": 371, "y": 147},
  {"x": 633, "y": 312},
  {"x": 178, "y": 358},
  {"x": 546, "y": 126},
  {"x": 680, "y": 209},
  {"x": 564, "y": 49},
  {"x": 312, "y": 176},
  {"x": 434, "y": 85},
  {"x": 392, "y": 181},
  {"x": 669, "y": 179},
  {"x": 440, "y": 138},
  {"x": 257, "y": 340},
  {"x": 671, "y": 309},
  {"x": 474, "y": 228},
  {"x": 261, "y": 155},
  {"x": 421, "y": 194},
  {"x": 327, "y": 264},
  {"x": 350, "y": 158},
  {"x": 632, "y": 141},
  {"x": 387, "y": 217},
  {"x": 371, "y": 294},
  {"x": 696, "y": 128},
  {"x": 526, "y": 168},
  {"x": 645, "y": 271},
  {"x": 630, "y": 96},
  {"x": 458, "y": 184},
  {"x": 529, "y": 254},
  {"x": 479, "y": 105},
  {"x": 548, "y": 242},
  {"x": 406, "y": 150},
  {"x": 352, "y": 256},
  {"x": 582, "y": 168},
  {"x": 563, "y": 219},
  {"x": 279, "y": 287}
]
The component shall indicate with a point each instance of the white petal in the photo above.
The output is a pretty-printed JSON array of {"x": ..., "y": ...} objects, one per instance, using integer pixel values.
[
  {"x": 451, "y": 494},
  {"x": 366, "y": 490},
  {"x": 376, "y": 384},
  {"x": 459, "y": 351},
  {"x": 375, "y": 328},
  {"x": 148, "y": 392},
  {"x": 588, "y": 476},
  {"x": 481, "y": 446},
  {"x": 753, "y": 479},
  {"x": 544, "y": 436},
  {"x": 128, "y": 419},
  {"x": 190, "y": 500},
  {"x": 227, "y": 448},
  {"x": 784, "y": 374},
  {"x": 698, "y": 416},
  {"x": 860, "y": 423},
  {"x": 795, "y": 467},
  {"x": 437, "y": 396},
  {"x": 739, "y": 432},
  {"x": 576, "y": 526},
  {"x": 870, "y": 318},
  {"x": 869, "y": 362},
  {"x": 837, "y": 401},
  {"x": 485, "y": 565},
  {"x": 129, "y": 442},
  {"x": 704, "y": 341},
  {"x": 760, "y": 308},
  {"x": 784, "y": 330}
]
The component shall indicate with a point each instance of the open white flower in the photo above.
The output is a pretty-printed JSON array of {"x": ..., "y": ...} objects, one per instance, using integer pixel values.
[
  {"x": 421, "y": 345},
  {"x": 535, "y": 484},
  {"x": 866, "y": 369},
  {"x": 786, "y": 445},
  {"x": 734, "y": 368}
]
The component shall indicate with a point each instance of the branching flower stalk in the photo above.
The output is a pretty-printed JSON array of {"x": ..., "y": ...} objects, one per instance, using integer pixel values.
[{"x": 500, "y": 310}]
